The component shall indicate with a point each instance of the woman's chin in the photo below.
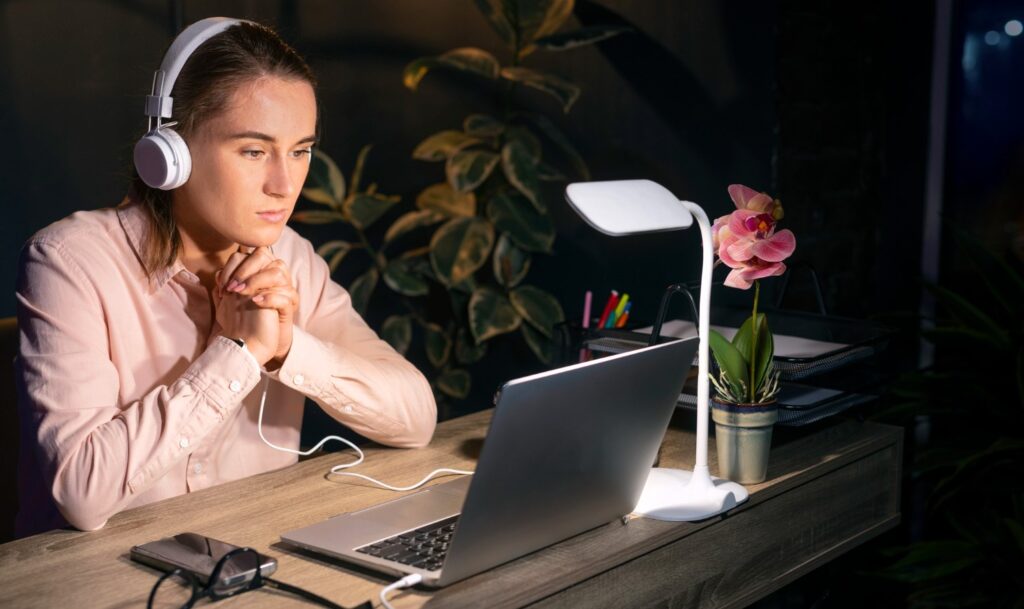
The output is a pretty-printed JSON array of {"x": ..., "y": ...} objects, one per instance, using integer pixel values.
[{"x": 262, "y": 238}]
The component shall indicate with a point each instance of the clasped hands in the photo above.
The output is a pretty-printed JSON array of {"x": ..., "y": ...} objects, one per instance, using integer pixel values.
[{"x": 256, "y": 302}]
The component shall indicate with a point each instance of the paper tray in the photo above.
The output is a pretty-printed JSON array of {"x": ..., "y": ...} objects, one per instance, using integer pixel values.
[
  {"x": 805, "y": 344},
  {"x": 799, "y": 404}
]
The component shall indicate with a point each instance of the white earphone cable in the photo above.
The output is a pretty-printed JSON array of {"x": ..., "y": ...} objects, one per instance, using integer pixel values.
[{"x": 336, "y": 470}]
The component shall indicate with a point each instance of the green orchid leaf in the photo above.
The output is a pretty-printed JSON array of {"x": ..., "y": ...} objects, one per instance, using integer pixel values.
[
  {"x": 551, "y": 131},
  {"x": 491, "y": 314},
  {"x": 337, "y": 250},
  {"x": 362, "y": 288},
  {"x": 357, "y": 171},
  {"x": 410, "y": 221},
  {"x": 438, "y": 345},
  {"x": 514, "y": 215},
  {"x": 510, "y": 263},
  {"x": 482, "y": 125},
  {"x": 561, "y": 89},
  {"x": 542, "y": 346},
  {"x": 467, "y": 169},
  {"x": 316, "y": 216},
  {"x": 324, "y": 183},
  {"x": 765, "y": 349},
  {"x": 455, "y": 383},
  {"x": 401, "y": 277},
  {"x": 729, "y": 359},
  {"x": 466, "y": 351},
  {"x": 397, "y": 332},
  {"x": 364, "y": 209},
  {"x": 444, "y": 199},
  {"x": 443, "y": 144},
  {"x": 539, "y": 308},
  {"x": 521, "y": 171},
  {"x": 460, "y": 247},
  {"x": 564, "y": 41}
]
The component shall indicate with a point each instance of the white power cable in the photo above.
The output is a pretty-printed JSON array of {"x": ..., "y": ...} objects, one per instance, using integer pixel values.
[
  {"x": 336, "y": 470},
  {"x": 405, "y": 582}
]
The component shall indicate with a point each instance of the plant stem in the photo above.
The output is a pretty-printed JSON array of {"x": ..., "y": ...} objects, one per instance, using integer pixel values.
[{"x": 753, "y": 341}]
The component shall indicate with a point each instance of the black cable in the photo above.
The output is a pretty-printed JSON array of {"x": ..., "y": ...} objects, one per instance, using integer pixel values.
[{"x": 315, "y": 598}]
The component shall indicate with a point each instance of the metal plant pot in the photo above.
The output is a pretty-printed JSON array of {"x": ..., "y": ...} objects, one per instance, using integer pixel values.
[{"x": 743, "y": 433}]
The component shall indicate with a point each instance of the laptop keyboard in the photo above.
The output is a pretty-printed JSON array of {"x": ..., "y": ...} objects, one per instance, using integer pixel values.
[{"x": 423, "y": 548}]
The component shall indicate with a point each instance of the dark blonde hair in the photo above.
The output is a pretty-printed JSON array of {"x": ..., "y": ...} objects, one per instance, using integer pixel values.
[{"x": 239, "y": 54}]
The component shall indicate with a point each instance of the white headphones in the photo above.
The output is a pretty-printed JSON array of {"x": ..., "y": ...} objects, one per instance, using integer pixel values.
[{"x": 161, "y": 156}]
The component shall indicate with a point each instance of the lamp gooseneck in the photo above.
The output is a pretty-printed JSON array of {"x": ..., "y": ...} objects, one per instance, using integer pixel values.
[{"x": 703, "y": 328}]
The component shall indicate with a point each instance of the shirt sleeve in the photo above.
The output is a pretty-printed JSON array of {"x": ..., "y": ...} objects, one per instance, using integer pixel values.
[
  {"x": 95, "y": 452},
  {"x": 353, "y": 375}
]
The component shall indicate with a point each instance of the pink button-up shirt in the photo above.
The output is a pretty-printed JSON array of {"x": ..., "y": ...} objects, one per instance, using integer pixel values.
[{"x": 128, "y": 394}]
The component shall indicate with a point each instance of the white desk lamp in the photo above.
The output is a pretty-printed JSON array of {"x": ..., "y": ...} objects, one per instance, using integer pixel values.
[{"x": 630, "y": 207}]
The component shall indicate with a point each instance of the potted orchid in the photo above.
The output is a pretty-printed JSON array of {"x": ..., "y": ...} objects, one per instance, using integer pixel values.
[{"x": 744, "y": 406}]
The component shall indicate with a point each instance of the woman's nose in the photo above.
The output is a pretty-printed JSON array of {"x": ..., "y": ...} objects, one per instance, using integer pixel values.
[{"x": 279, "y": 182}]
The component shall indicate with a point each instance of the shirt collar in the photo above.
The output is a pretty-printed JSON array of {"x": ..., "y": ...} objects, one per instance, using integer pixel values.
[{"x": 136, "y": 225}]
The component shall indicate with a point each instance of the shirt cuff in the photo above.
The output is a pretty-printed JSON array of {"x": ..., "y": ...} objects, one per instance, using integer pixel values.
[
  {"x": 225, "y": 373},
  {"x": 305, "y": 352}
]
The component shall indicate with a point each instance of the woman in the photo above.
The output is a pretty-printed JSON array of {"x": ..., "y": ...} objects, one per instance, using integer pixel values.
[{"x": 144, "y": 328}]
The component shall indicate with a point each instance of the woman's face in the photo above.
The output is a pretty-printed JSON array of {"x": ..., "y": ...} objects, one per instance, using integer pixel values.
[{"x": 248, "y": 167}]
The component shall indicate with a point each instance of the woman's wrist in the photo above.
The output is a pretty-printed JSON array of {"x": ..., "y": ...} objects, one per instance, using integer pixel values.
[{"x": 262, "y": 356}]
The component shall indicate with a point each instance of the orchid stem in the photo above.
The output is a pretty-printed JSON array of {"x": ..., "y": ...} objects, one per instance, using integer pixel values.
[{"x": 753, "y": 341}]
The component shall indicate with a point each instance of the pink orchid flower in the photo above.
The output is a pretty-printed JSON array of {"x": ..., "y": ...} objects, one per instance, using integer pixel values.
[{"x": 746, "y": 239}]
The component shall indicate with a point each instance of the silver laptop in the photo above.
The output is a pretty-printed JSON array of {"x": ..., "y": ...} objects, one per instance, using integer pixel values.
[{"x": 567, "y": 450}]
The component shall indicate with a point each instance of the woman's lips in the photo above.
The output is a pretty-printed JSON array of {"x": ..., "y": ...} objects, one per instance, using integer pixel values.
[{"x": 273, "y": 216}]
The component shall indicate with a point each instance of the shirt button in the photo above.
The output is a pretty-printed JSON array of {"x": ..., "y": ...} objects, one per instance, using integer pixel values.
[
  {"x": 198, "y": 468},
  {"x": 235, "y": 386},
  {"x": 348, "y": 409},
  {"x": 298, "y": 379},
  {"x": 183, "y": 442}
]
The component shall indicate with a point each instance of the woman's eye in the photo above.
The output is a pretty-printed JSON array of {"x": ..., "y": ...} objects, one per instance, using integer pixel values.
[
  {"x": 252, "y": 154},
  {"x": 301, "y": 153}
]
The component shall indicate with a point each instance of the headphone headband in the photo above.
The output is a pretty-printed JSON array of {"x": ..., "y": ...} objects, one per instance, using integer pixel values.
[{"x": 160, "y": 103}]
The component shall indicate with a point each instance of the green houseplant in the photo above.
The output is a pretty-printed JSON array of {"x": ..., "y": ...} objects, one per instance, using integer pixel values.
[
  {"x": 473, "y": 235},
  {"x": 970, "y": 546},
  {"x": 744, "y": 407}
]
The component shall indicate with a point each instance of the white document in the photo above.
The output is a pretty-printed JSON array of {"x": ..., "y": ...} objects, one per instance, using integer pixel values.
[{"x": 785, "y": 346}]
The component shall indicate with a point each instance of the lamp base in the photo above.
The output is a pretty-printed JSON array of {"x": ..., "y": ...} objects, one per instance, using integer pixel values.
[{"x": 679, "y": 495}]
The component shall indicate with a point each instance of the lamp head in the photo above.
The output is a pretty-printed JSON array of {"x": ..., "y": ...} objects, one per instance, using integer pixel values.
[{"x": 628, "y": 207}]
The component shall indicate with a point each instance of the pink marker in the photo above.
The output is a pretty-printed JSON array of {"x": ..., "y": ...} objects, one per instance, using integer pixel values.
[{"x": 587, "y": 301}]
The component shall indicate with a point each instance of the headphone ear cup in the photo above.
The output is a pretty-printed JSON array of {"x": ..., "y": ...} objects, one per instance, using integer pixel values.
[{"x": 162, "y": 159}]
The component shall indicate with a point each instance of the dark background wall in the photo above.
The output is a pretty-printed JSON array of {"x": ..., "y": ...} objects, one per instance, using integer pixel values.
[{"x": 74, "y": 75}]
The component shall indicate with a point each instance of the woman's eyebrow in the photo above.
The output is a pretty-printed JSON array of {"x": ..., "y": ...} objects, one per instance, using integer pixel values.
[{"x": 256, "y": 135}]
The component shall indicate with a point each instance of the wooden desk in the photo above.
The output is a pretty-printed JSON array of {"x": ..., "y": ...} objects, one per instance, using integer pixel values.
[{"x": 827, "y": 492}]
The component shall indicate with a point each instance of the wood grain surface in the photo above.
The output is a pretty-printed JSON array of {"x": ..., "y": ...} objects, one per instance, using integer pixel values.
[{"x": 825, "y": 493}]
